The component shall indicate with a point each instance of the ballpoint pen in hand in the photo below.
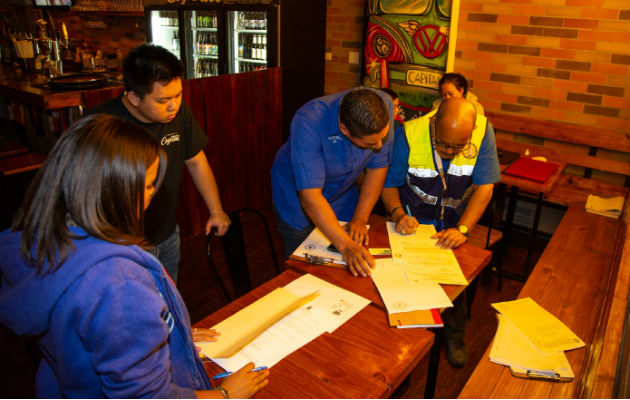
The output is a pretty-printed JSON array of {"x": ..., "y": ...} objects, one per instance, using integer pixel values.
[
  {"x": 409, "y": 214},
  {"x": 228, "y": 373}
]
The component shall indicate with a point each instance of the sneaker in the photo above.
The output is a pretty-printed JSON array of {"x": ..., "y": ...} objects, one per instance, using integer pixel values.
[{"x": 456, "y": 352}]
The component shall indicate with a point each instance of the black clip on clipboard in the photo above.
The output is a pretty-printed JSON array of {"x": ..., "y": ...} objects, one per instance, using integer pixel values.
[{"x": 529, "y": 374}]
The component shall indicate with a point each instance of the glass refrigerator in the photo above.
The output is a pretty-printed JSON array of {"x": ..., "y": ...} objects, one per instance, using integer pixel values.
[{"x": 215, "y": 38}]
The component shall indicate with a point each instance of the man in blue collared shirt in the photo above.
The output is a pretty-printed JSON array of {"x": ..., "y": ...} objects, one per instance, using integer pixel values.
[{"x": 333, "y": 139}]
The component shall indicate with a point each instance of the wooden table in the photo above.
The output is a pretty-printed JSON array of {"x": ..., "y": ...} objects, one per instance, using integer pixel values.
[
  {"x": 472, "y": 260},
  {"x": 537, "y": 188},
  {"x": 364, "y": 358},
  {"x": 574, "y": 280}
]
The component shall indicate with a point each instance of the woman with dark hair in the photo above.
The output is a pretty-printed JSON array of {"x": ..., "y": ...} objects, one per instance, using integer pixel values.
[
  {"x": 455, "y": 85},
  {"x": 74, "y": 274}
]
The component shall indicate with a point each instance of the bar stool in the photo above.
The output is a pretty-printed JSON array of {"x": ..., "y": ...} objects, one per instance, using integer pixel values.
[
  {"x": 16, "y": 173},
  {"x": 10, "y": 147}
]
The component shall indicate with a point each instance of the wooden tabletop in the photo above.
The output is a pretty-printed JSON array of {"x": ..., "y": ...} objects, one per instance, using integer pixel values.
[
  {"x": 571, "y": 280},
  {"x": 471, "y": 259},
  {"x": 364, "y": 358}
]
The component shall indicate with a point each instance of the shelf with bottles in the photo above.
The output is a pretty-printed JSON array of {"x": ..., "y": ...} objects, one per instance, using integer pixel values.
[
  {"x": 206, "y": 43},
  {"x": 254, "y": 22},
  {"x": 205, "y": 68},
  {"x": 251, "y": 60},
  {"x": 205, "y": 22},
  {"x": 252, "y": 47},
  {"x": 210, "y": 56},
  {"x": 248, "y": 67},
  {"x": 205, "y": 29}
]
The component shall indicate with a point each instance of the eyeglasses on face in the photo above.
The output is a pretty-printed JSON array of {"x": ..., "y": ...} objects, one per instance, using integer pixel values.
[{"x": 468, "y": 150}]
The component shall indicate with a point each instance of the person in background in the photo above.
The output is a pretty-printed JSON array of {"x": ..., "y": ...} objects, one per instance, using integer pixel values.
[
  {"x": 398, "y": 112},
  {"x": 153, "y": 99},
  {"x": 444, "y": 168},
  {"x": 109, "y": 321},
  {"x": 333, "y": 139},
  {"x": 455, "y": 85}
]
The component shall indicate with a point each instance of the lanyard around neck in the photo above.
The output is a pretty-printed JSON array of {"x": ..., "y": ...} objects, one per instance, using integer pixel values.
[{"x": 440, "y": 166}]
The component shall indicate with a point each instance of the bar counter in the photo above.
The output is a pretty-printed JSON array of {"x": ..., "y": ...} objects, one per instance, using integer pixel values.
[{"x": 26, "y": 88}]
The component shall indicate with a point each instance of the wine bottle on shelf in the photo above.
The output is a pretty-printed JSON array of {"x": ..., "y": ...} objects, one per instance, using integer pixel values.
[
  {"x": 240, "y": 45},
  {"x": 264, "y": 48}
]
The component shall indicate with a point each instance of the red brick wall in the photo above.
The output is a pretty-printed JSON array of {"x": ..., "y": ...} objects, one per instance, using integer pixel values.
[
  {"x": 562, "y": 60},
  {"x": 344, "y": 34}
]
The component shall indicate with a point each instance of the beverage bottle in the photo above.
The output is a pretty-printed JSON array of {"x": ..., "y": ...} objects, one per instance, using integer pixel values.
[
  {"x": 240, "y": 45},
  {"x": 264, "y": 47}
]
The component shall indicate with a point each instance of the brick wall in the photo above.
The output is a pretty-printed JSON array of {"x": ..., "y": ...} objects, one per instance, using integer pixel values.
[
  {"x": 344, "y": 34},
  {"x": 104, "y": 32},
  {"x": 562, "y": 60}
]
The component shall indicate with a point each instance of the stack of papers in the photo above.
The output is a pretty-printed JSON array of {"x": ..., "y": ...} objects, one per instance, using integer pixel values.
[
  {"x": 281, "y": 322},
  {"x": 409, "y": 304},
  {"x": 611, "y": 207},
  {"x": 532, "y": 342}
]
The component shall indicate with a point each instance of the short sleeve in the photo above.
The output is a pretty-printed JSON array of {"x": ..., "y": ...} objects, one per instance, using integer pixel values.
[
  {"x": 400, "y": 160},
  {"x": 487, "y": 169},
  {"x": 196, "y": 139}
]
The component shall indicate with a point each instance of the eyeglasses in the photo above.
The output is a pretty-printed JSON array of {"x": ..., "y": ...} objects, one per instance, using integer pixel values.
[{"x": 468, "y": 150}]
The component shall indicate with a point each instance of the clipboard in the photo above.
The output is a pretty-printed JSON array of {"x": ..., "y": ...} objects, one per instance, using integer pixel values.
[{"x": 529, "y": 374}]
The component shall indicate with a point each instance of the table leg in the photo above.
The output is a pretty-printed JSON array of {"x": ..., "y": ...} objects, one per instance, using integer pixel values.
[
  {"x": 528, "y": 262},
  {"x": 434, "y": 363}
]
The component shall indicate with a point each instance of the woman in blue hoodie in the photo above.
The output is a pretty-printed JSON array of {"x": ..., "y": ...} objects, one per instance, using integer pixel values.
[{"x": 109, "y": 321}]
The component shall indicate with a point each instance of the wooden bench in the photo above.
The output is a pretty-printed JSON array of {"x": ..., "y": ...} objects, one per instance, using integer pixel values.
[
  {"x": 598, "y": 160},
  {"x": 583, "y": 278}
]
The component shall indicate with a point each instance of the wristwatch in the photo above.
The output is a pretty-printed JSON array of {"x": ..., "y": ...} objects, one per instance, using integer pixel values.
[
  {"x": 463, "y": 229},
  {"x": 223, "y": 391}
]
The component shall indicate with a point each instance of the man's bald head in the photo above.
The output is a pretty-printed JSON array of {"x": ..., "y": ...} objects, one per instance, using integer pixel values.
[{"x": 455, "y": 121}]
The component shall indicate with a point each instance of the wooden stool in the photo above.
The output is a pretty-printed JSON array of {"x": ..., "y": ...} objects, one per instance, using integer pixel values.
[
  {"x": 9, "y": 147},
  {"x": 21, "y": 163}
]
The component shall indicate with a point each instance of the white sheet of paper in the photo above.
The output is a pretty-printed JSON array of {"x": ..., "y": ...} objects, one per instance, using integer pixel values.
[
  {"x": 334, "y": 304},
  {"x": 423, "y": 260},
  {"x": 316, "y": 244},
  {"x": 541, "y": 327},
  {"x": 401, "y": 296},
  {"x": 283, "y": 338},
  {"x": 331, "y": 309}
]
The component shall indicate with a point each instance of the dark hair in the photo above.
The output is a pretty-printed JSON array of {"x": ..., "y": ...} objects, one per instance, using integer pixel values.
[
  {"x": 363, "y": 112},
  {"x": 390, "y": 92},
  {"x": 94, "y": 177},
  {"x": 457, "y": 80},
  {"x": 148, "y": 63}
]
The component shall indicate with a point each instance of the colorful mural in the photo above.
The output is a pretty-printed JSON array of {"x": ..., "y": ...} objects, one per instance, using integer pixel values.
[{"x": 409, "y": 45}]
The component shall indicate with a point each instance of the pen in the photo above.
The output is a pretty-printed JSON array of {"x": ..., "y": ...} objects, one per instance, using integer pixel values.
[
  {"x": 409, "y": 214},
  {"x": 228, "y": 373}
]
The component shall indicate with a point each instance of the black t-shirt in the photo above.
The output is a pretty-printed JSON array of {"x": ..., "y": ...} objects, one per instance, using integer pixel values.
[{"x": 181, "y": 139}]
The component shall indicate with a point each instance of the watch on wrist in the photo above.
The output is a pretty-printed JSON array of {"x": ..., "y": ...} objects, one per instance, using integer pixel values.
[
  {"x": 224, "y": 392},
  {"x": 463, "y": 229}
]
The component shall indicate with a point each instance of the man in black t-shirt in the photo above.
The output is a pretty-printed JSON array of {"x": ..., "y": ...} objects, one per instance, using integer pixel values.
[{"x": 153, "y": 99}]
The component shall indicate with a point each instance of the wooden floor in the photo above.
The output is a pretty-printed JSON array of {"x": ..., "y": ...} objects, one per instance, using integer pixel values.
[{"x": 203, "y": 295}]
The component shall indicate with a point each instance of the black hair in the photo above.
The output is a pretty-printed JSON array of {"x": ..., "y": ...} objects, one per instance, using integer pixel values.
[
  {"x": 457, "y": 80},
  {"x": 363, "y": 112},
  {"x": 390, "y": 92},
  {"x": 94, "y": 177},
  {"x": 148, "y": 63}
]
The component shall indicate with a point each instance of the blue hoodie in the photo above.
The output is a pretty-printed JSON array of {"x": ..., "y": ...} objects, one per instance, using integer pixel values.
[{"x": 110, "y": 322}]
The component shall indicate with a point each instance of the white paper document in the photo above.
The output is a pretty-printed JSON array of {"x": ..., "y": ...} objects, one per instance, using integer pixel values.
[
  {"x": 541, "y": 328},
  {"x": 329, "y": 310},
  {"x": 423, "y": 260},
  {"x": 316, "y": 244},
  {"x": 512, "y": 348},
  {"x": 399, "y": 295},
  {"x": 334, "y": 305}
]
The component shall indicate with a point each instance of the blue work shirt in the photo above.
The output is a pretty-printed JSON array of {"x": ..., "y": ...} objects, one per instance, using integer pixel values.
[{"x": 318, "y": 155}]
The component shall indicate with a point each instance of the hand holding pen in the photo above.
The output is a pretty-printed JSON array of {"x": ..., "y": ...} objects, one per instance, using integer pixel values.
[
  {"x": 406, "y": 224},
  {"x": 245, "y": 382}
]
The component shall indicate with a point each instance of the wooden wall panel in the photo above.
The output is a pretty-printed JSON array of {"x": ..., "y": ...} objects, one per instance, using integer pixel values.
[{"x": 242, "y": 116}]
